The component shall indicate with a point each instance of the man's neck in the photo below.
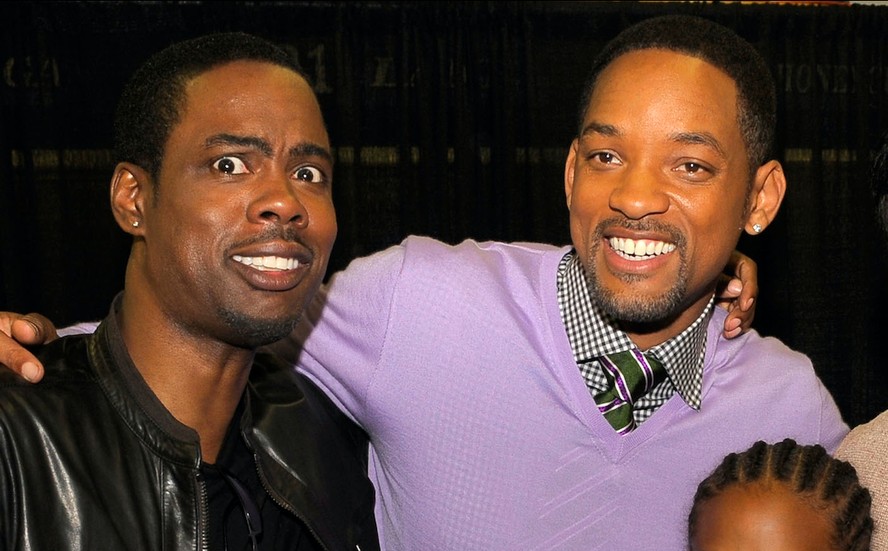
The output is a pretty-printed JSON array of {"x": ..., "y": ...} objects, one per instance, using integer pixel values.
[{"x": 199, "y": 381}]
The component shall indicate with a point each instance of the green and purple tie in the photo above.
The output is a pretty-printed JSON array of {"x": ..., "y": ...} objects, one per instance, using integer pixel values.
[{"x": 630, "y": 375}]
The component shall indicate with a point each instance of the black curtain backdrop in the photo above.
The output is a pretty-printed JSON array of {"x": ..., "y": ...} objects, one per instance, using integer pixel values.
[{"x": 453, "y": 120}]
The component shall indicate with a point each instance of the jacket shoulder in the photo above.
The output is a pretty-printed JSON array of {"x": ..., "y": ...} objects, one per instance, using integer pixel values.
[{"x": 65, "y": 360}]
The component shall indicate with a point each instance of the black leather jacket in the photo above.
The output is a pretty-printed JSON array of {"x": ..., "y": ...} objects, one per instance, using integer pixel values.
[{"x": 90, "y": 460}]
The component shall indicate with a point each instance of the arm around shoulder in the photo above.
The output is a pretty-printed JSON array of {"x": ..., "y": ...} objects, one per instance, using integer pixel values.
[{"x": 18, "y": 331}]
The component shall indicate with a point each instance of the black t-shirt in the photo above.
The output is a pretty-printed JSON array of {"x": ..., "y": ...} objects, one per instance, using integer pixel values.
[{"x": 280, "y": 529}]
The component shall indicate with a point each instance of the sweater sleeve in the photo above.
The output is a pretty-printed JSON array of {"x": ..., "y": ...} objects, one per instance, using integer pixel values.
[
  {"x": 82, "y": 328},
  {"x": 340, "y": 338}
]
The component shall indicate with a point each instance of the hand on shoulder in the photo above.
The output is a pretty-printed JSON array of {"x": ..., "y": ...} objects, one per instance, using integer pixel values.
[{"x": 18, "y": 331}]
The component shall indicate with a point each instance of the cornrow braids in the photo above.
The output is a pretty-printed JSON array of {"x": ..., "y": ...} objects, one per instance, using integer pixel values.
[{"x": 828, "y": 484}]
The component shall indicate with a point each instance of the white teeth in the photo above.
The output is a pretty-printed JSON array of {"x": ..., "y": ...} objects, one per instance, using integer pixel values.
[
  {"x": 267, "y": 263},
  {"x": 640, "y": 249}
]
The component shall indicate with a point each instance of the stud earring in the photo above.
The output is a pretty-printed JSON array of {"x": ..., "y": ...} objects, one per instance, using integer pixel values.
[
  {"x": 135, "y": 223},
  {"x": 757, "y": 228}
]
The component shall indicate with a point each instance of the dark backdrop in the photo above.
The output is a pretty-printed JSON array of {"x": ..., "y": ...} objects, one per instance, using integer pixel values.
[{"x": 453, "y": 119}]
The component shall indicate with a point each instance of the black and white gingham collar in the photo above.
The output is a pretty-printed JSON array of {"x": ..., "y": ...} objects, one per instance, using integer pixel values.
[{"x": 591, "y": 333}]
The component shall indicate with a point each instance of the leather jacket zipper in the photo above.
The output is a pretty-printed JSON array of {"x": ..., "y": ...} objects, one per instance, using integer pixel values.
[{"x": 203, "y": 514}]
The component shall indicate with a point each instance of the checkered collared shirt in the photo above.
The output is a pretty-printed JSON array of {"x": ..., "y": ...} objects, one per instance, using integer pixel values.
[{"x": 592, "y": 333}]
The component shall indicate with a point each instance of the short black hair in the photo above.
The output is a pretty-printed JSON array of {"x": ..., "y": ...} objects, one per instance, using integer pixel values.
[
  {"x": 718, "y": 46},
  {"x": 830, "y": 484},
  {"x": 151, "y": 101}
]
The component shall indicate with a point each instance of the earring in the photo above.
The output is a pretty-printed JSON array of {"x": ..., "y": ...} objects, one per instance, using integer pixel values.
[
  {"x": 135, "y": 223},
  {"x": 757, "y": 228}
]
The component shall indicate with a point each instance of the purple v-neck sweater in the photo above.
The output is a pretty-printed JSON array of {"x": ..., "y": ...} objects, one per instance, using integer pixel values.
[{"x": 484, "y": 434}]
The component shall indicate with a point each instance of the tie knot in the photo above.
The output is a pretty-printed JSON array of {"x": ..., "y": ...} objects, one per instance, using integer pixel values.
[
  {"x": 636, "y": 371},
  {"x": 630, "y": 375}
]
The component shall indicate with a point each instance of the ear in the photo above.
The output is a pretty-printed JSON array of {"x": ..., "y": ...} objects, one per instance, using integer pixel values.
[
  {"x": 768, "y": 189},
  {"x": 569, "y": 169},
  {"x": 129, "y": 195}
]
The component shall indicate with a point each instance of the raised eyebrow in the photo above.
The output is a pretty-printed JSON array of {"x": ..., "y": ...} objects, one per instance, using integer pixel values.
[
  {"x": 599, "y": 128},
  {"x": 699, "y": 138},
  {"x": 309, "y": 149},
  {"x": 251, "y": 142}
]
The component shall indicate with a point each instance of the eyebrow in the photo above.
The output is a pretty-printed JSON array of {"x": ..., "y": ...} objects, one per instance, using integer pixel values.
[
  {"x": 244, "y": 141},
  {"x": 699, "y": 138},
  {"x": 599, "y": 128},
  {"x": 305, "y": 149},
  {"x": 310, "y": 149}
]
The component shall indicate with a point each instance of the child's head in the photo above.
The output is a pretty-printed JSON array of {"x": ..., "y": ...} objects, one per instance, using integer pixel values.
[{"x": 781, "y": 497}]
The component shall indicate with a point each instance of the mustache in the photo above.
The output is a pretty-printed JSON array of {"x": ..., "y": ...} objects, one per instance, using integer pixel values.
[{"x": 276, "y": 233}]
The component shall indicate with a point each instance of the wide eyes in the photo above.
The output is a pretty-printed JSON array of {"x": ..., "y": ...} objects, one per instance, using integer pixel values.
[
  {"x": 234, "y": 165},
  {"x": 309, "y": 174},
  {"x": 230, "y": 165}
]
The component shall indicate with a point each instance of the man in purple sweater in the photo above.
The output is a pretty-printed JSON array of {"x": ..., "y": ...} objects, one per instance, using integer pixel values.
[{"x": 477, "y": 368}]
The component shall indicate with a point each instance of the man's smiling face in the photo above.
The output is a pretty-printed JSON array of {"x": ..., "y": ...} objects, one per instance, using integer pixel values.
[{"x": 657, "y": 185}]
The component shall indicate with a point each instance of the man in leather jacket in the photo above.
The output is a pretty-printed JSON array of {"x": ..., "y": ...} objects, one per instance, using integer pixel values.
[{"x": 165, "y": 429}]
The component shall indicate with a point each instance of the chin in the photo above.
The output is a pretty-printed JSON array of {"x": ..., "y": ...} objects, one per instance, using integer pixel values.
[
  {"x": 646, "y": 309},
  {"x": 253, "y": 332},
  {"x": 638, "y": 299},
  {"x": 637, "y": 313}
]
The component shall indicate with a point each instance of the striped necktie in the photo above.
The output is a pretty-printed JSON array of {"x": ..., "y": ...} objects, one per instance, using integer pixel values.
[{"x": 630, "y": 375}]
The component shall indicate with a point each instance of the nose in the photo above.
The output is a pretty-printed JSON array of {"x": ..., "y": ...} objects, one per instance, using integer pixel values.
[
  {"x": 277, "y": 200},
  {"x": 639, "y": 193}
]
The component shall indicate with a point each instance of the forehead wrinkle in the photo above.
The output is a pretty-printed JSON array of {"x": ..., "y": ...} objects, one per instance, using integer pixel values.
[
  {"x": 251, "y": 142},
  {"x": 699, "y": 138}
]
